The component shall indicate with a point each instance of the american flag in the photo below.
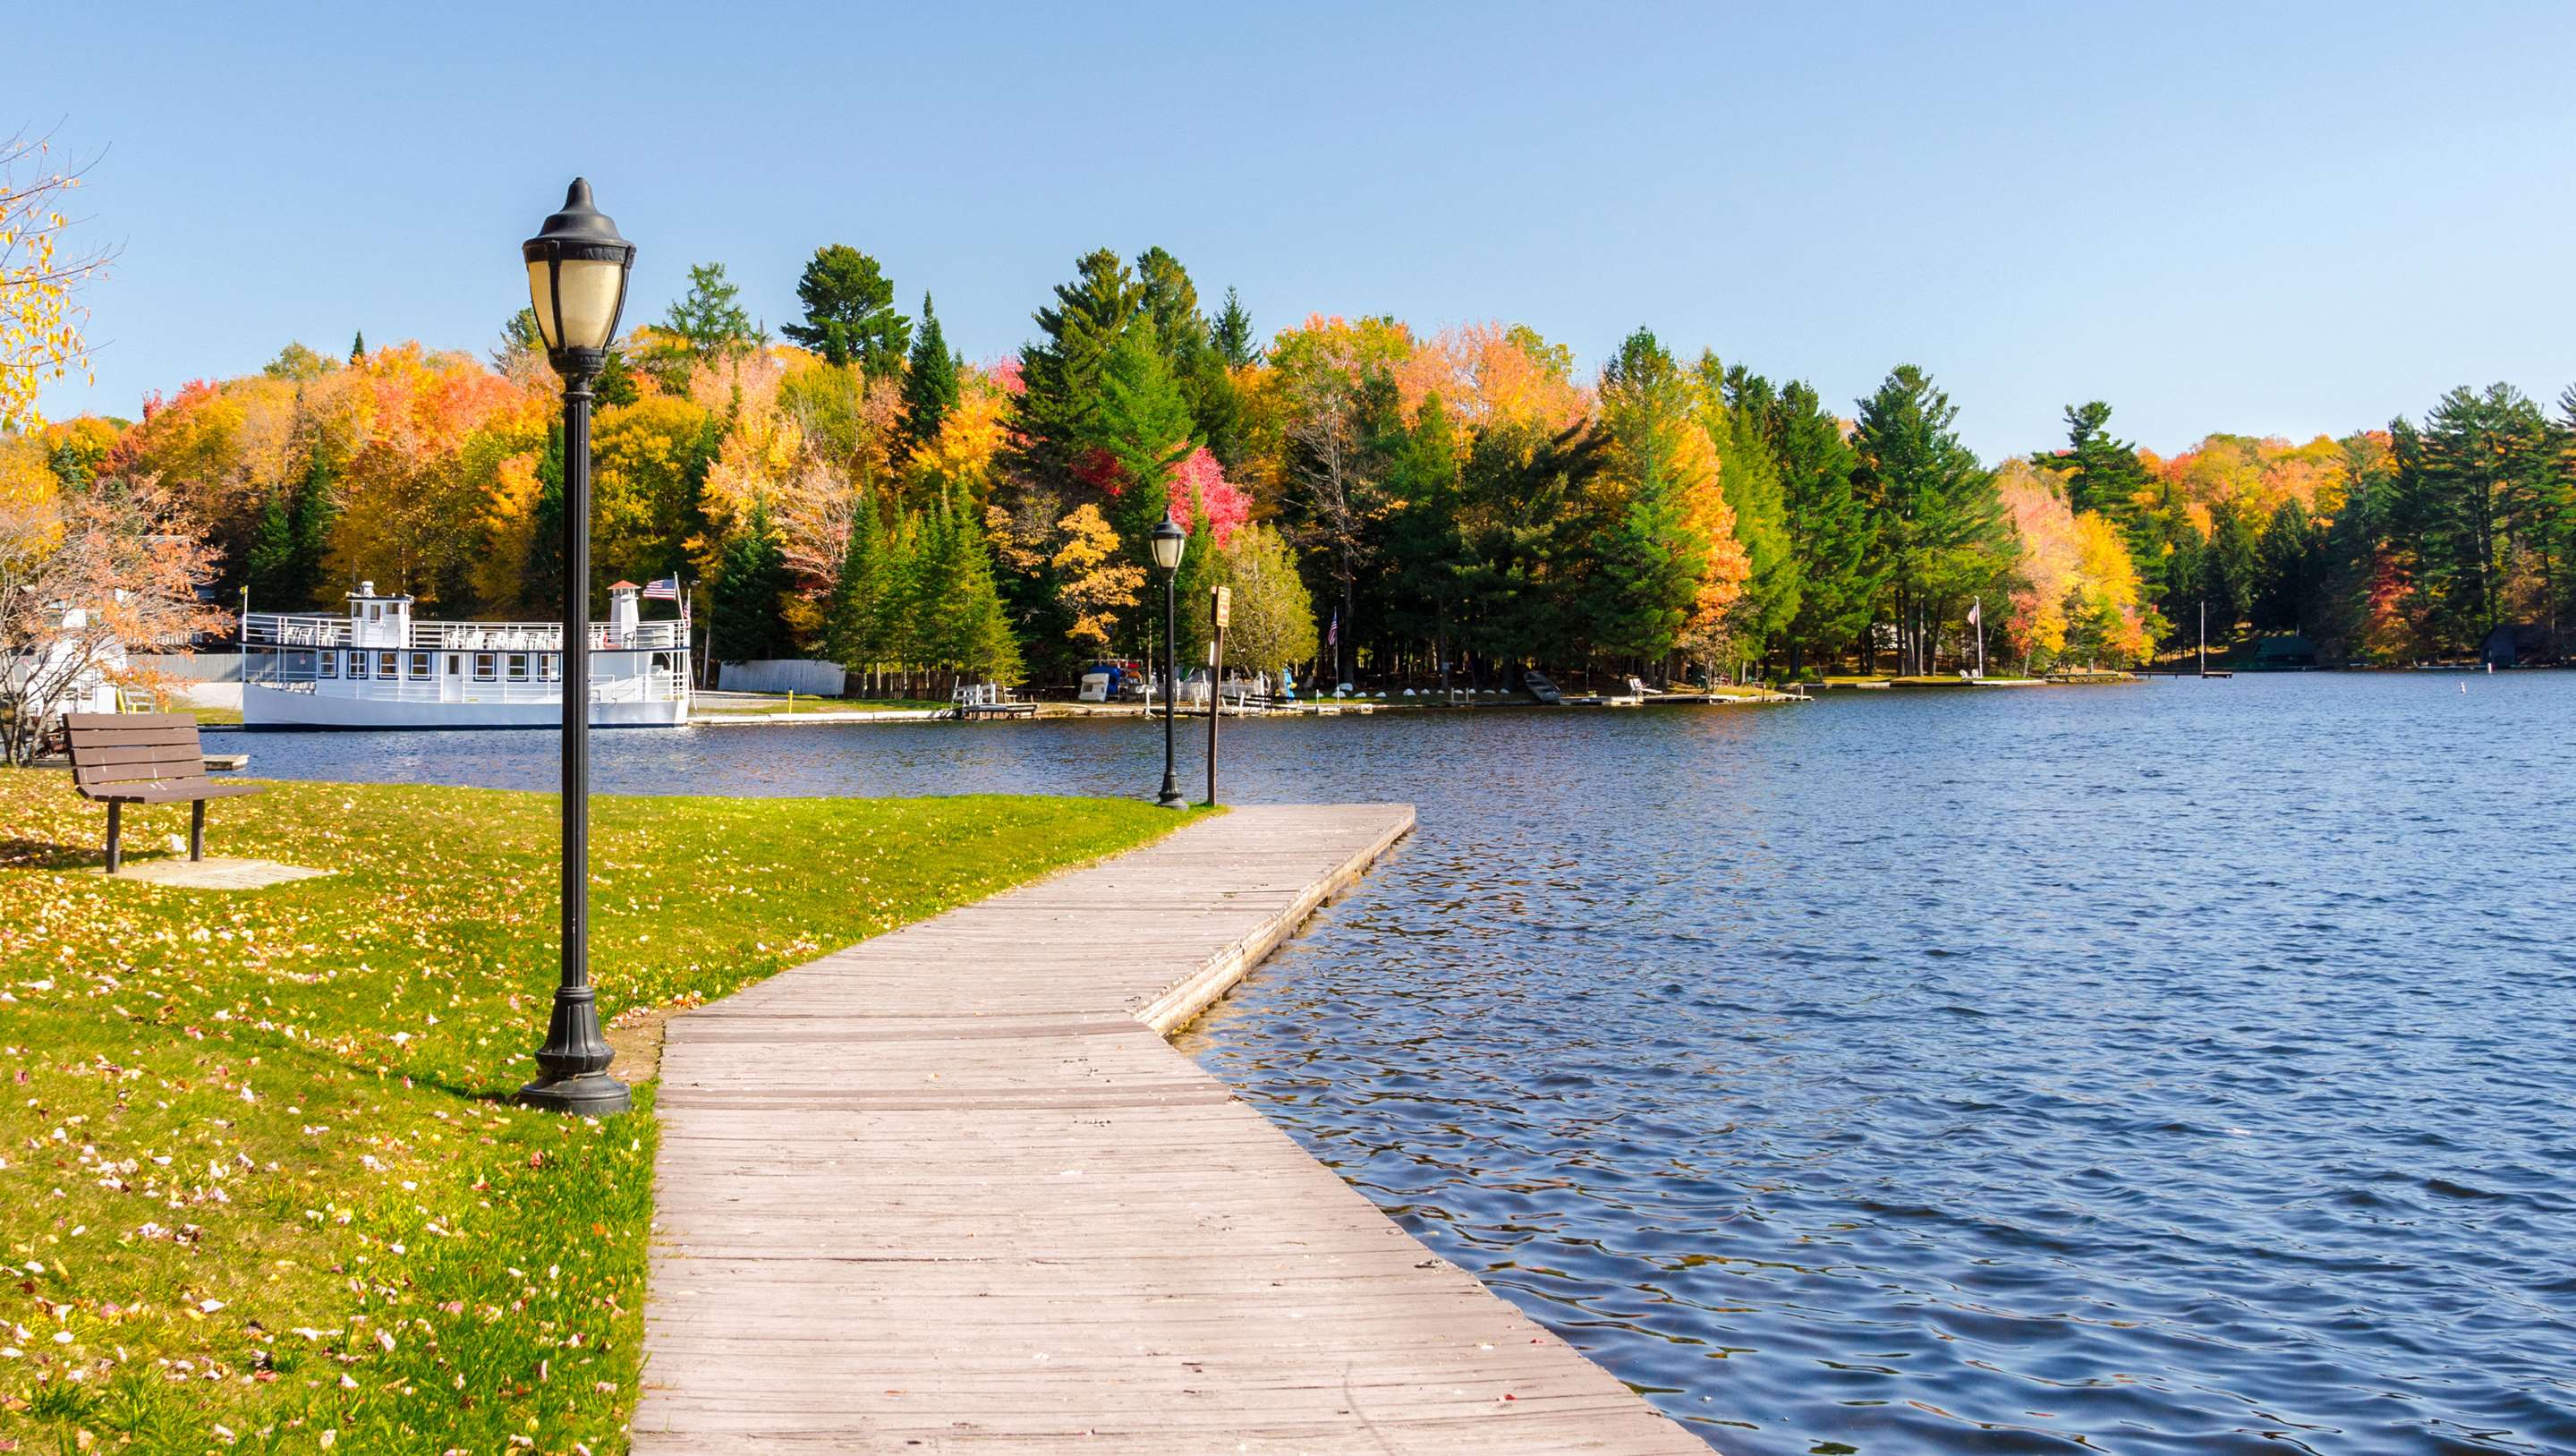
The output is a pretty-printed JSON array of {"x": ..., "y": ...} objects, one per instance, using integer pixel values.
[{"x": 665, "y": 590}]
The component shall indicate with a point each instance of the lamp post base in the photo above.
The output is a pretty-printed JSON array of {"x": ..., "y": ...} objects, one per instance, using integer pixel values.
[
  {"x": 591, "y": 1094},
  {"x": 1171, "y": 799}
]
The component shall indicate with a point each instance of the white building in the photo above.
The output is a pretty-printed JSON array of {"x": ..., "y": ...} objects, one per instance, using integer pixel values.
[{"x": 378, "y": 668}]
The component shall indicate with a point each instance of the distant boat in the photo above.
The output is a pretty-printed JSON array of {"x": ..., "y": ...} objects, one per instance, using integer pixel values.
[{"x": 378, "y": 668}]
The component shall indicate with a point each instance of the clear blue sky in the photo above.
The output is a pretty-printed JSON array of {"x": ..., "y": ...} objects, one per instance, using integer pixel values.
[{"x": 2272, "y": 218}]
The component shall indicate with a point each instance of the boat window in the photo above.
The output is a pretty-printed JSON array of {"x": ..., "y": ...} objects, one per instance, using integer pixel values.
[
  {"x": 420, "y": 664},
  {"x": 375, "y": 613},
  {"x": 358, "y": 663},
  {"x": 483, "y": 666},
  {"x": 388, "y": 665},
  {"x": 518, "y": 667},
  {"x": 330, "y": 664},
  {"x": 550, "y": 666},
  {"x": 455, "y": 664}
]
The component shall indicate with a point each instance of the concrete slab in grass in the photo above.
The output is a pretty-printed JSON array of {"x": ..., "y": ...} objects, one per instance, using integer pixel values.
[{"x": 212, "y": 873}]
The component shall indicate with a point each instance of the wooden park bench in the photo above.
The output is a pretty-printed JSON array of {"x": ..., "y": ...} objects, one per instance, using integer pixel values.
[{"x": 144, "y": 758}]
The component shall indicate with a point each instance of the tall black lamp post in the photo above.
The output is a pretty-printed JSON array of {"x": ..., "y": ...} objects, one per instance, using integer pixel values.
[
  {"x": 1169, "y": 538},
  {"x": 577, "y": 281}
]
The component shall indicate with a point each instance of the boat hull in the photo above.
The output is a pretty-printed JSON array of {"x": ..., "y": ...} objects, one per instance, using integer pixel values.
[{"x": 268, "y": 707}]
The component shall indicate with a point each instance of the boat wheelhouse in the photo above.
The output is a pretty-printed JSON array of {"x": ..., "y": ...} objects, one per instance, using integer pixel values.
[{"x": 378, "y": 668}]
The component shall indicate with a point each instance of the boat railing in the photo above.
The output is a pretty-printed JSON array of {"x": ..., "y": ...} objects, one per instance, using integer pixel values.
[
  {"x": 277, "y": 629},
  {"x": 661, "y": 686}
]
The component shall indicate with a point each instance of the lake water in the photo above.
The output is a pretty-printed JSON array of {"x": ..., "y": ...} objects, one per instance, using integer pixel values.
[{"x": 2175, "y": 1067}]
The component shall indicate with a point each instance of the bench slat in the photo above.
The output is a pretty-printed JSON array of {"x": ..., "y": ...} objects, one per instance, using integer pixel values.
[
  {"x": 115, "y": 781},
  {"x": 170, "y": 793},
  {"x": 143, "y": 753},
  {"x": 139, "y": 738}
]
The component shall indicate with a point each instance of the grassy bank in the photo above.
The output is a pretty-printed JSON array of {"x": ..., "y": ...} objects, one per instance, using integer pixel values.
[
  {"x": 804, "y": 704},
  {"x": 260, "y": 1183}
]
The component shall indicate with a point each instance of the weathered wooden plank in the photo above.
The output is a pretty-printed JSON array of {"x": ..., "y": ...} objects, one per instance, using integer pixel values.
[{"x": 950, "y": 1190}]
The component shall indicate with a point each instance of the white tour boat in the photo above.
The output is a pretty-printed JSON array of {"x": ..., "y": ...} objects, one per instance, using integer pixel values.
[{"x": 377, "y": 668}]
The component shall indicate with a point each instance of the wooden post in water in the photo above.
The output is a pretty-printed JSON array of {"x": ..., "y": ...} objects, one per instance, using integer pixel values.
[{"x": 1221, "y": 613}]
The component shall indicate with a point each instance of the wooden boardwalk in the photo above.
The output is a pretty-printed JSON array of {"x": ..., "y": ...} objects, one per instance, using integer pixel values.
[{"x": 951, "y": 1191}]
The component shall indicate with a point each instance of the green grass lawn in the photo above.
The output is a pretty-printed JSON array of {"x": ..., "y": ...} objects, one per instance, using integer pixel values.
[{"x": 261, "y": 1186}]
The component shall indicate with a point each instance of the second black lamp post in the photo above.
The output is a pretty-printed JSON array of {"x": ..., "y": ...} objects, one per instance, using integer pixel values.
[
  {"x": 577, "y": 267},
  {"x": 1169, "y": 538}
]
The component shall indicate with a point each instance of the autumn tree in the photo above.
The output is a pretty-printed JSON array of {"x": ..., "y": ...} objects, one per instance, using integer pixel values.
[
  {"x": 1099, "y": 582},
  {"x": 42, "y": 279},
  {"x": 84, "y": 579},
  {"x": 1341, "y": 396},
  {"x": 849, "y": 312},
  {"x": 1273, "y": 616}
]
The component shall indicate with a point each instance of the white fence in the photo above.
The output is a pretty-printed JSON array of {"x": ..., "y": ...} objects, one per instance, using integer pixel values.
[
  {"x": 783, "y": 675},
  {"x": 222, "y": 664}
]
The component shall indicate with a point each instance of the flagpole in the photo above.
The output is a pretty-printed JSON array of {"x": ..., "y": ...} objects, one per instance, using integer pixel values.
[{"x": 1979, "y": 617}]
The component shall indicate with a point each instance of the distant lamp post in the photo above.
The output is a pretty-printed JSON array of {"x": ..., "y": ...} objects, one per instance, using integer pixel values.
[
  {"x": 577, "y": 268},
  {"x": 1169, "y": 538}
]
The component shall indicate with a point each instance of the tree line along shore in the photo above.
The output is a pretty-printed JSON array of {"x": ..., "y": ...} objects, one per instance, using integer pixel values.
[{"x": 1386, "y": 504}]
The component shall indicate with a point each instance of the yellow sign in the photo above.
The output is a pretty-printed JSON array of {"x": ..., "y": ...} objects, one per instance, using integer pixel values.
[{"x": 1224, "y": 605}]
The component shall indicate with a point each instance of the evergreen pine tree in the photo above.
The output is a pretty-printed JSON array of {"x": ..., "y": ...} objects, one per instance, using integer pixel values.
[
  {"x": 849, "y": 312},
  {"x": 1646, "y": 563},
  {"x": 980, "y": 625},
  {"x": 1938, "y": 513},
  {"x": 929, "y": 382},
  {"x": 752, "y": 578},
  {"x": 2287, "y": 571},
  {"x": 1063, "y": 374},
  {"x": 1232, "y": 335},
  {"x": 270, "y": 561},
  {"x": 2227, "y": 571},
  {"x": 545, "y": 535},
  {"x": 1830, "y": 530},
  {"x": 2481, "y": 463},
  {"x": 850, "y": 613},
  {"x": 1750, "y": 480},
  {"x": 892, "y": 622},
  {"x": 2103, "y": 475},
  {"x": 283, "y": 565},
  {"x": 1144, "y": 426},
  {"x": 358, "y": 346}
]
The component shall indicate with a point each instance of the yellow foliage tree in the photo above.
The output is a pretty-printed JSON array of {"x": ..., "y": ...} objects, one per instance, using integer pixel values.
[
  {"x": 509, "y": 526},
  {"x": 1096, "y": 584},
  {"x": 40, "y": 312},
  {"x": 643, "y": 457}
]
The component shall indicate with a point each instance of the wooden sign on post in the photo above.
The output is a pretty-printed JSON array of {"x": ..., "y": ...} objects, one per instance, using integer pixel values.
[{"x": 1223, "y": 609}]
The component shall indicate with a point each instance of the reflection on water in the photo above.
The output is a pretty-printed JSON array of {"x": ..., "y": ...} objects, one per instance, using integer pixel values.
[{"x": 2181, "y": 1067}]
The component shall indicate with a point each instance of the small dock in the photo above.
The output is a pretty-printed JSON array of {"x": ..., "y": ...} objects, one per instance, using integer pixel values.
[
  {"x": 950, "y": 1190},
  {"x": 969, "y": 712}
]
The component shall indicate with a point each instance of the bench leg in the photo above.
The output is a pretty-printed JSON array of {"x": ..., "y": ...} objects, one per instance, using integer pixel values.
[
  {"x": 115, "y": 831},
  {"x": 197, "y": 830}
]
